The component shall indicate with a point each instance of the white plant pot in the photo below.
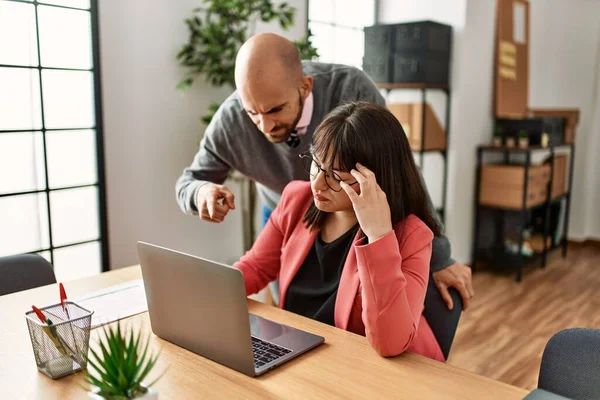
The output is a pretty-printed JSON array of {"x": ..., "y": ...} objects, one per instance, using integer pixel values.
[
  {"x": 523, "y": 143},
  {"x": 151, "y": 394}
]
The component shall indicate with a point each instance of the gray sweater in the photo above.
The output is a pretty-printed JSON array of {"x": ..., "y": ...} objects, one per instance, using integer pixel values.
[{"x": 232, "y": 141}]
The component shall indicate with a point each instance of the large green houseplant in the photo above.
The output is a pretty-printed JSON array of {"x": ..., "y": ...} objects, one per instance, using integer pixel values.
[{"x": 218, "y": 28}]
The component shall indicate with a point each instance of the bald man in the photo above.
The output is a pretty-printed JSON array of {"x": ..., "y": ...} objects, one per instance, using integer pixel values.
[{"x": 263, "y": 127}]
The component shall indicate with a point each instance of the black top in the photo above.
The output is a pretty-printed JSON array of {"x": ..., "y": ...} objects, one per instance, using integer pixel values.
[{"x": 313, "y": 290}]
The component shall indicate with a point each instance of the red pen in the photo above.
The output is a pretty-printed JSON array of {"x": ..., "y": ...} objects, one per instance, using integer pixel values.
[
  {"x": 63, "y": 298},
  {"x": 41, "y": 315}
]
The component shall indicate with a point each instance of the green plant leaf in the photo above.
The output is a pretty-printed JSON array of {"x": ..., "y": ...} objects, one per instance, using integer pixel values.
[
  {"x": 137, "y": 347},
  {"x": 110, "y": 352},
  {"x": 130, "y": 358},
  {"x": 149, "y": 366},
  {"x": 143, "y": 358},
  {"x": 102, "y": 386},
  {"x": 107, "y": 362},
  {"x": 152, "y": 383},
  {"x": 101, "y": 367},
  {"x": 95, "y": 381},
  {"x": 120, "y": 342},
  {"x": 123, "y": 384}
]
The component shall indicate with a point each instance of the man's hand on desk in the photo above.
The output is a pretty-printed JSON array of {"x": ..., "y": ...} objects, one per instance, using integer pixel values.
[
  {"x": 457, "y": 276},
  {"x": 214, "y": 202}
]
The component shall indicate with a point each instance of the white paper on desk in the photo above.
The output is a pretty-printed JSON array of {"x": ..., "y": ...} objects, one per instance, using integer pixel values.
[{"x": 115, "y": 302}]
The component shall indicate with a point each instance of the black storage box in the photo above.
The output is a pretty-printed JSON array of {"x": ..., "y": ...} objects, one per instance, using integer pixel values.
[
  {"x": 418, "y": 66},
  {"x": 421, "y": 35},
  {"x": 535, "y": 127},
  {"x": 380, "y": 69},
  {"x": 379, "y": 40},
  {"x": 412, "y": 52}
]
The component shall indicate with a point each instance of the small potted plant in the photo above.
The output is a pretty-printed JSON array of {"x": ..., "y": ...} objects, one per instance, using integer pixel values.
[
  {"x": 510, "y": 141},
  {"x": 498, "y": 137},
  {"x": 121, "y": 364},
  {"x": 523, "y": 139}
]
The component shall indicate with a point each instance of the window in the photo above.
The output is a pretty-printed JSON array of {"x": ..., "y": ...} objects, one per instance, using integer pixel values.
[
  {"x": 51, "y": 171},
  {"x": 337, "y": 29}
]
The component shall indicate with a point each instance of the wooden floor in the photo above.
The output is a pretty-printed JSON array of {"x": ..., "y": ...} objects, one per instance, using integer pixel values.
[{"x": 504, "y": 332}]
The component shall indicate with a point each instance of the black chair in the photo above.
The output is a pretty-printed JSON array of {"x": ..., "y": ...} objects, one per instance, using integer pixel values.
[
  {"x": 539, "y": 394},
  {"x": 443, "y": 322},
  {"x": 571, "y": 364},
  {"x": 24, "y": 271}
]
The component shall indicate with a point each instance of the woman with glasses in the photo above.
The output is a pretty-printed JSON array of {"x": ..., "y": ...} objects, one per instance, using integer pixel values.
[{"x": 352, "y": 247}]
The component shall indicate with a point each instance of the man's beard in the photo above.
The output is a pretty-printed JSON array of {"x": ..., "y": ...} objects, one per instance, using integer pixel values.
[{"x": 288, "y": 128}]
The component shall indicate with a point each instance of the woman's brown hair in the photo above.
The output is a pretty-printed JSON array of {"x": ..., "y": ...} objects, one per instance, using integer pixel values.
[{"x": 369, "y": 134}]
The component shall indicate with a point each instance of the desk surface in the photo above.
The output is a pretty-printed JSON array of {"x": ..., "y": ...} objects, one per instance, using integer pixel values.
[{"x": 344, "y": 367}]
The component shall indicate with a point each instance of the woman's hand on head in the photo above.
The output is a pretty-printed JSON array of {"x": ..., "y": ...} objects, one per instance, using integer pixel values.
[{"x": 371, "y": 206}]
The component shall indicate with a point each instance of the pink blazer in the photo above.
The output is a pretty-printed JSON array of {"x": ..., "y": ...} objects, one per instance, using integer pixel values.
[{"x": 383, "y": 284}]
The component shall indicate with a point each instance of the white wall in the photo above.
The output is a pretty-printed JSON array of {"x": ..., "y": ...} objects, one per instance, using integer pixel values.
[
  {"x": 448, "y": 12},
  {"x": 152, "y": 132},
  {"x": 564, "y": 64},
  {"x": 473, "y": 124},
  {"x": 593, "y": 179}
]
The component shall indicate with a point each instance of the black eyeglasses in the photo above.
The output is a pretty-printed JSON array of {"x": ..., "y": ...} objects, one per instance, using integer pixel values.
[{"x": 332, "y": 179}]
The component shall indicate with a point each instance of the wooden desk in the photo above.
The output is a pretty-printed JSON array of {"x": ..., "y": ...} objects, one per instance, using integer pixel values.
[{"x": 344, "y": 367}]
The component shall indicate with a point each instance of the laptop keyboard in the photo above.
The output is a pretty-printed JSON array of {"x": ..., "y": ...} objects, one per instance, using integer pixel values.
[{"x": 265, "y": 352}]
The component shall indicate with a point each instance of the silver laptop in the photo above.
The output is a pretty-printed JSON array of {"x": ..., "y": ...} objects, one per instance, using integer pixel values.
[{"x": 201, "y": 305}]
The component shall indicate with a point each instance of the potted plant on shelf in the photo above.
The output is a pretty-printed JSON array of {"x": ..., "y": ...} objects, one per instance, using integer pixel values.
[
  {"x": 121, "y": 364},
  {"x": 498, "y": 137},
  {"x": 523, "y": 139},
  {"x": 510, "y": 141}
]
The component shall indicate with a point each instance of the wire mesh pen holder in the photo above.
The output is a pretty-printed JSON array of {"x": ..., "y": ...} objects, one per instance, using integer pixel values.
[{"x": 60, "y": 349}]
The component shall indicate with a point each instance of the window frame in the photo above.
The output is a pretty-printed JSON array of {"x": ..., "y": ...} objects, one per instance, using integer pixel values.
[
  {"x": 100, "y": 183},
  {"x": 333, "y": 24}
]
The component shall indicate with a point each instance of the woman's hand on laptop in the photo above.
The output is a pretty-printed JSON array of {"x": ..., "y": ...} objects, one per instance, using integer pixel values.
[{"x": 214, "y": 202}]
